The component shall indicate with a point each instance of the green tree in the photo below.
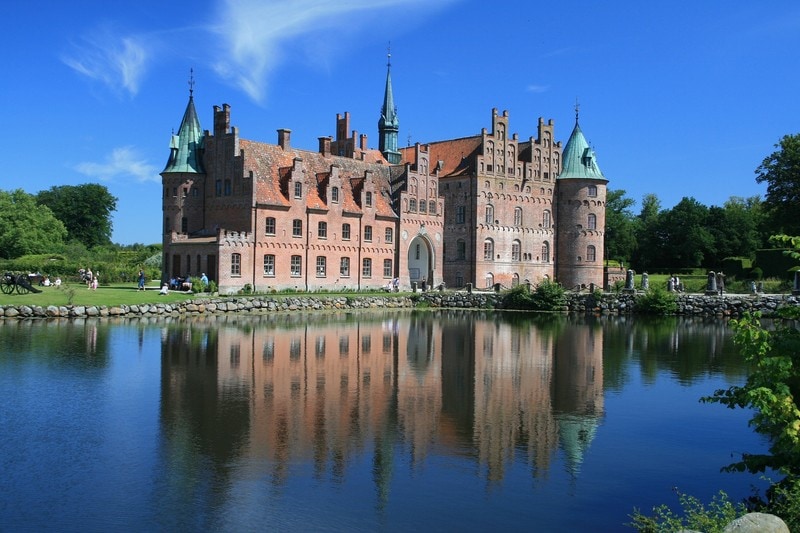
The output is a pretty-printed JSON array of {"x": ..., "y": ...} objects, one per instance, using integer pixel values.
[
  {"x": 781, "y": 171},
  {"x": 85, "y": 211},
  {"x": 687, "y": 238},
  {"x": 735, "y": 229},
  {"x": 27, "y": 228},
  {"x": 620, "y": 236},
  {"x": 650, "y": 235}
]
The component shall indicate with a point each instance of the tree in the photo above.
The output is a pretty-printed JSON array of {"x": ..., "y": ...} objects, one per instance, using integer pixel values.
[
  {"x": 735, "y": 229},
  {"x": 649, "y": 235},
  {"x": 27, "y": 228},
  {"x": 687, "y": 238},
  {"x": 620, "y": 239},
  {"x": 781, "y": 171},
  {"x": 85, "y": 210}
]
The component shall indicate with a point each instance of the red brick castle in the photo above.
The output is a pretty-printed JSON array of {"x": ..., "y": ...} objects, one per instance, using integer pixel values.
[{"x": 482, "y": 210}]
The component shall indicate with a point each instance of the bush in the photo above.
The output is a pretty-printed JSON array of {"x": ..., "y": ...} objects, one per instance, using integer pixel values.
[
  {"x": 695, "y": 517},
  {"x": 657, "y": 301},
  {"x": 547, "y": 296}
]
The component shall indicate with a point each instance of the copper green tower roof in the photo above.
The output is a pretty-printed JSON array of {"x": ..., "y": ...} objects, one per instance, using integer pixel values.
[
  {"x": 184, "y": 147},
  {"x": 388, "y": 124},
  {"x": 578, "y": 159}
]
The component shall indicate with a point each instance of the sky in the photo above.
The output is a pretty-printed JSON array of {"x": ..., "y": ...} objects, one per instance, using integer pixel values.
[{"x": 678, "y": 99}]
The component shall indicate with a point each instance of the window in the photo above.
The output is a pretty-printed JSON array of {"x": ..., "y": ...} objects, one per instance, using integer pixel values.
[
  {"x": 269, "y": 227},
  {"x": 184, "y": 225},
  {"x": 166, "y": 224},
  {"x": 592, "y": 191},
  {"x": 298, "y": 189},
  {"x": 490, "y": 214},
  {"x": 388, "y": 235},
  {"x": 368, "y": 233},
  {"x": 322, "y": 230},
  {"x": 346, "y": 232},
  {"x": 416, "y": 252},
  {"x": 185, "y": 192},
  {"x": 488, "y": 250},
  {"x": 546, "y": 220},
  {"x": 432, "y": 207},
  {"x": 423, "y": 207},
  {"x": 516, "y": 251},
  {"x": 269, "y": 265},
  {"x": 460, "y": 214},
  {"x": 297, "y": 228},
  {"x": 344, "y": 267},
  {"x": 236, "y": 264},
  {"x": 296, "y": 268},
  {"x": 218, "y": 187},
  {"x": 322, "y": 266},
  {"x": 591, "y": 222},
  {"x": 366, "y": 267},
  {"x": 174, "y": 192},
  {"x": 591, "y": 253},
  {"x": 412, "y": 205},
  {"x": 335, "y": 195},
  {"x": 518, "y": 216},
  {"x": 387, "y": 268},
  {"x": 546, "y": 252},
  {"x": 368, "y": 198},
  {"x": 461, "y": 250},
  {"x": 228, "y": 188}
]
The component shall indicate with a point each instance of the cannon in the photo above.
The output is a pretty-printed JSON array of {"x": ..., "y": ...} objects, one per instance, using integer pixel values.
[{"x": 17, "y": 282}]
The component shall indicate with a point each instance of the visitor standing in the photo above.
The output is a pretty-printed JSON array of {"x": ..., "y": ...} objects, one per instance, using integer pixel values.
[{"x": 141, "y": 280}]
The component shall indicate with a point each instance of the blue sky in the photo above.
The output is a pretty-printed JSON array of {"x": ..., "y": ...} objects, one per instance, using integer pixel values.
[{"x": 677, "y": 99}]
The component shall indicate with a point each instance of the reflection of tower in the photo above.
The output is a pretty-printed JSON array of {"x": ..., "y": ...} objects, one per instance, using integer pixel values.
[
  {"x": 458, "y": 375},
  {"x": 578, "y": 389}
]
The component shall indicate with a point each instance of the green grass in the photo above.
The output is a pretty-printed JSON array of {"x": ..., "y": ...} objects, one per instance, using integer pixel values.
[{"x": 109, "y": 295}]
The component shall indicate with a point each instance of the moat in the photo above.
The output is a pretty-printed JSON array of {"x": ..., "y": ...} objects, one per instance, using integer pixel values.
[{"x": 363, "y": 421}]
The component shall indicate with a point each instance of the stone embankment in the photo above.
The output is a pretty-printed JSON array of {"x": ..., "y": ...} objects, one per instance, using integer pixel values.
[{"x": 608, "y": 304}]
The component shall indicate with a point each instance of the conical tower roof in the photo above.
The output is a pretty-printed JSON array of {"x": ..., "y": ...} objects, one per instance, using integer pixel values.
[
  {"x": 185, "y": 146},
  {"x": 578, "y": 159},
  {"x": 388, "y": 111}
]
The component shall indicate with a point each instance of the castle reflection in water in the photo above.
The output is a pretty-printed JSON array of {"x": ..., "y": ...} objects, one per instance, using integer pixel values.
[{"x": 323, "y": 389}]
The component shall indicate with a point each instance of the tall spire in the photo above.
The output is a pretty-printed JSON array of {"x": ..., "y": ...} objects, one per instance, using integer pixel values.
[
  {"x": 578, "y": 159},
  {"x": 388, "y": 124},
  {"x": 184, "y": 147}
]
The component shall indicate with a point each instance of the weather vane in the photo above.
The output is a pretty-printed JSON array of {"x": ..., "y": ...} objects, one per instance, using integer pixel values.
[
  {"x": 577, "y": 109},
  {"x": 191, "y": 81}
]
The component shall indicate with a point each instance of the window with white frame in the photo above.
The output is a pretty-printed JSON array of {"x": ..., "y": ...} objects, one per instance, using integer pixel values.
[
  {"x": 591, "y": 221},
  {"x": 297, "y": 228},
  {"x": 344, "y": 267},
  {"x": 488, "y": 250},
  {"x": 547, "y": 220},
  {"x": 591, "y": 253},
  {"x": 269, "y": 264},
  {"x": 368, "y": 233},
  {"x": 236, "y": 264},
  {"x": 296, "y": 266},
  {"x": 516, "y": 251},
  {"x": 335, "y": 195},
  {"x": 490, "y": 214},
  {"x": 366, "y": 267},
  {"x": 298, "y": 189},
  {"x": 546, "y": 252},
  {"x": 368, "y": 199},
  {"x": 387, "y": 268},
  {"x": 517, "y": 216},
  {"x": 388, "y": 235},
  {"x": 346, "y": 232},
  {"x": 322, "y": 266},
  {"x": 269, "y": 226},
  {"x": 322, "y": 230}
]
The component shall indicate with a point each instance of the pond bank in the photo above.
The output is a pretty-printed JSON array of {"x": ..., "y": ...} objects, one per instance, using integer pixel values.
[{"x": 688, "y": 304}]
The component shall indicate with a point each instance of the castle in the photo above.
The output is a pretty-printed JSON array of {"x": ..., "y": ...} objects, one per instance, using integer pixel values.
[{"x": 484, "y": 211}]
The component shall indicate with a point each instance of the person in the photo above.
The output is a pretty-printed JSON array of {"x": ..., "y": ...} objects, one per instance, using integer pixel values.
[
  {"x": 164, "y": 289},
  {"x": 88, "y": 277},
  {"x": 204, "y": 280},
  {"x": 424, "y": 284},
  {"x": 58, "y": 282},
  {"x": 396, "y": 284},
  {"x": 141, "y": 280},
  {"x": 46, "y": 281},
  {"x": 95, "y": 283}
]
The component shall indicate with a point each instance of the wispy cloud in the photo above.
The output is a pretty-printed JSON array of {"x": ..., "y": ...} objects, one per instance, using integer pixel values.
[
  {"x": 118, "y": 62},
  {"x": 534, "y": 88},
  {"x": 123, "y": 163},
  {"x": 257, "y": 33}
]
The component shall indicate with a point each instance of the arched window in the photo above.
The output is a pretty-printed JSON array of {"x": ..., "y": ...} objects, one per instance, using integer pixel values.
[
  {"x": 488, "y": 250},
  {"x": 591, "y": 223},
  {"x": 546, "y": 219},
  {"x": 490, "y": 214},
  {"x": 592, "y": 191},
  {"x": 516, "y": 251},
  {"x": 546, "y": 252},
  {"x": 432, "y": 207},
  {"x": 412, "y": 205},
  {"x": 591, "y": 253},
  {"x": 517, "y": 216}
]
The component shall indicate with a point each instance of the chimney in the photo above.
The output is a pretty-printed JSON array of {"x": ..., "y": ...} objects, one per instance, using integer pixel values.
[
  {"x": 222, "y": 119},
  {"x": 284, "y": 138},
  {"x": 363, "y": 141},
  {"x": 325, "y": 146}
]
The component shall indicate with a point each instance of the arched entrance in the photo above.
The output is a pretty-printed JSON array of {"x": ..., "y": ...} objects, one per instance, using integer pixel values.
[{"x": 420, "y": 261}]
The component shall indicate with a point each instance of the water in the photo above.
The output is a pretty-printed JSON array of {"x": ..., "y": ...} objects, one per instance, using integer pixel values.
[{"x": 451, "y": 421}]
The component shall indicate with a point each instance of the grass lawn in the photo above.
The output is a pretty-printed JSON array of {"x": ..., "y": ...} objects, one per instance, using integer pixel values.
[{"x": 109, "y": 295}]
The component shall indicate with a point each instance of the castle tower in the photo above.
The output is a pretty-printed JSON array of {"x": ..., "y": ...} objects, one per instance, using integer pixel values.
[
  {"x": 183, "y": 184},
  {"x": 388, "y": 124},
  {"x": 580, "y": 215}
]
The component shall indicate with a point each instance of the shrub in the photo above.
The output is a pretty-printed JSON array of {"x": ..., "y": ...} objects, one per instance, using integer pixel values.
[
  {"x": 657, "y": 301},
  {"x": 547, "y": 296},
  {"x": 695, "y": 517}
]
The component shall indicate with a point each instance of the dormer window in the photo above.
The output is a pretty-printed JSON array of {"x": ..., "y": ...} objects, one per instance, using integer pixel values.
[
  {"x": 298, "y": 189},
  {"x": 368, "y": 199},
  {"x": 335, "y": 195}
]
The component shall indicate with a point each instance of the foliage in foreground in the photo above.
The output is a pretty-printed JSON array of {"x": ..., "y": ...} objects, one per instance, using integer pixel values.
[
  {"x": 547, "y": 296},
  {"x": 657, "y": 301},
  {"x": 695, "y": 516}
]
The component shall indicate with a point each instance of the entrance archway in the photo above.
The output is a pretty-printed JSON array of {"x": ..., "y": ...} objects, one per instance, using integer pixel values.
[{"x": 420, "y": 261}]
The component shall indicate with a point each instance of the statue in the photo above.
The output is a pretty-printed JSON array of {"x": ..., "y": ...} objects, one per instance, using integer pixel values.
[
  {"x": 645, "y": 281},
  {"x": 711, "y": 284}
]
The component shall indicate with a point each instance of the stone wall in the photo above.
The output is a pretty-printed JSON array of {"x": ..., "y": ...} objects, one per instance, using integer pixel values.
[{"x": 688, "y": 304}]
